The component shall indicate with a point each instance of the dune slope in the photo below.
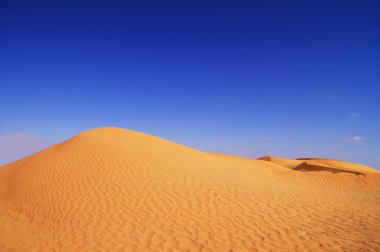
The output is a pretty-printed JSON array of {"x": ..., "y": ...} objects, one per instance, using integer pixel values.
[{"x": 110, "y": 189}]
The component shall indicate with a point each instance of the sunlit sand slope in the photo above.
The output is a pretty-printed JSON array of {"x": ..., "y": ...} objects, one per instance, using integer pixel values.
[{"x": 111, "y": 189}]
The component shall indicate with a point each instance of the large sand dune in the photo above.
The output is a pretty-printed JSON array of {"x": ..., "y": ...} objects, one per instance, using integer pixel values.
[{"x": 111, "y": 189}]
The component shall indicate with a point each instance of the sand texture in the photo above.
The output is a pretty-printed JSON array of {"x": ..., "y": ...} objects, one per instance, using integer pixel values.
[{"x": 111, "y": 189}]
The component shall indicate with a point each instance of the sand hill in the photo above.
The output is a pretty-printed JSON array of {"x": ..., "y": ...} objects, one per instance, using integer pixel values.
[
  {"x": 110, "y": 189},
  {"x": 321, "y": 164}
]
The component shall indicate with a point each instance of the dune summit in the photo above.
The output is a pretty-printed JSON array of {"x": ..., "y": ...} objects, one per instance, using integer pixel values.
[{"x": 111, "y": 189}]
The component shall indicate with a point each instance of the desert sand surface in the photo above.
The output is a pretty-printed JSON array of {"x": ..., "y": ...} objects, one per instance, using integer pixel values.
[{"x": 110, "y": 189}]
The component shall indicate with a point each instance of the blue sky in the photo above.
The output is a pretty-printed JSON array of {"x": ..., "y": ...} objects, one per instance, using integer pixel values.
[{"x": 286, "y": 78}]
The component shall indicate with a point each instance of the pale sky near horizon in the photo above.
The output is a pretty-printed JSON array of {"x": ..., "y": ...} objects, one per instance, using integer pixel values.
[{"x": 294, "y": 79}]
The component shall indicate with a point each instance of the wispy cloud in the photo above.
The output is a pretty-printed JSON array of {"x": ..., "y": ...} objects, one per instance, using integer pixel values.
[
  {"x": 353, "y": 115},
  {"x": 331, "y": 95},
  {"x": 266, "y": 139},
  {"x": 15, "y": 145},
  {"x": 354, "y": 139}
]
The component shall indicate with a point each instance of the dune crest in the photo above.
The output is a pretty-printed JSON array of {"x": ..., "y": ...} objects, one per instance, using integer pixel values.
[{"x": 111, "y": 189}]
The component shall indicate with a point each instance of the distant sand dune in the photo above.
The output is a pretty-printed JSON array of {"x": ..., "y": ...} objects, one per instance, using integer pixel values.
[
  {"x": 110, "y": 189},
  {"x": 321, "y": 164}
]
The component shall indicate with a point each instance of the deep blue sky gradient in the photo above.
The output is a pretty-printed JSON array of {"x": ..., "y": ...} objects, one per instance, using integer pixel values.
[{"x": 214, "y": 75}]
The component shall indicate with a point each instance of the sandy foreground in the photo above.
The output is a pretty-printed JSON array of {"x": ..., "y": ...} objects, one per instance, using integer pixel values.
[{"x": 111, "y": 189}]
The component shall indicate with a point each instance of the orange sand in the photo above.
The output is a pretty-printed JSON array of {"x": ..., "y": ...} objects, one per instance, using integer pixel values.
[{"x": 111, "y": 189}]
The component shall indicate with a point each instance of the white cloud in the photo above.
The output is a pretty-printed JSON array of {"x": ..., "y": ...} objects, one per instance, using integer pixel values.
[
  {"x": 16, "y": 145},
  {"x": 265, "y": 139},
  {"x": 354, "y": 139},
  {"x": 353, "y": 115}
]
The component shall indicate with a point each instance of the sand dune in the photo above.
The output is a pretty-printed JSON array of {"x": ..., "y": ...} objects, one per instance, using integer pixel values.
[
  {"x": 110, "y": 189},
  {"x": 321, "y": 164}
]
